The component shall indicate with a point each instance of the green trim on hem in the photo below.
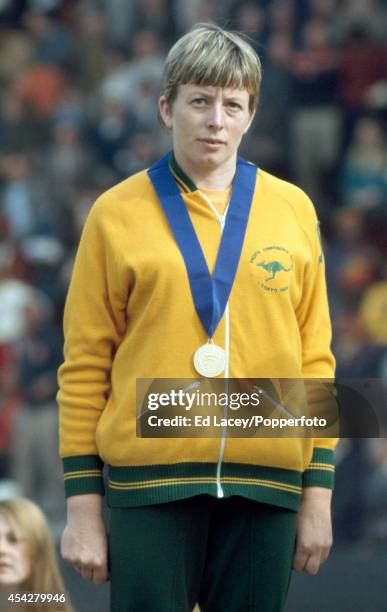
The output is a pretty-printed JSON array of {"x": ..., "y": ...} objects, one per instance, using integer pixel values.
[
  {"x": 82, "y": 475},
  {"x": 321, "y": 470},
  {"x": 148, "y": 485}
]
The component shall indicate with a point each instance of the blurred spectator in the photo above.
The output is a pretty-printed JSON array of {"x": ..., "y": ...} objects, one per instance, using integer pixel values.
[
  {"x": 12, "y": 264},
  {"x": 44, "y": 255},
  {"x": 53, "y": 43},
  {"x": 373, "y": 312},
  {"x": 370, "y": 15},
  {"x": 9, "y": 405},
  {"x": 363, "y": 63},
  {"x": 19, "y": 129},
  {"x": 84, "y": 198},
  {"x": 129, "y": 96},
  {"x": 377, "y": 488},
  {"x": 350, "y": 519},
  {"x": 120, "y": 19},
  {"x": 115, "y": 86},
  {"x": 351, "y": 262},
  {"x": 15, "y": 293},
  {"x": 91, "y": 29},
  {"x": 361, "y": 350},
  {"x": 186, "y": 14},
  {"x": 11, "y": 12},
  {"x": 249, "y": 18},
  {"x": 72, "y": 107},
  {"x": 125, "y": 79},
  {"x": 27, "y": 556},
  {"x": 40, "y": 88},
  {"x": 24, "y": 199},
  {"x": 363, "y": 174},
  {"x": 138, "y": 155},
  {"x": 15, "y": 296},
  {"x": 361, "y": 338},
  {"x": 281, "y": 16},
  {"x": 152, "y": 16},
  {"x": 16, "y": 54},
  {"x": 111, "y": 131},
  {"x": 17, "y": 198},
  {"x": 68, "y": 159},
  {"x": 269, "y": 137},
  {"x": 316, "y": 119},
  {"x": 348, "y": 340},
  {"x": 326, "y": 11},
  {"x": 35, "y": 463},
  {"x": 145, "y": 67},
  {"x": 323, "y": 9}
]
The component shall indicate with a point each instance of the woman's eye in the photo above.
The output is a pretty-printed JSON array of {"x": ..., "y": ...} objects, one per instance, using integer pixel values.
[
  {"x": 199, "y": 101},
  {"x": 234, "y": 105},
  {"x": 12, "y": 538}
]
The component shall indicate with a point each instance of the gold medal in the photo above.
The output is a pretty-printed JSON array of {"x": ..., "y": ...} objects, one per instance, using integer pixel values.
[{"x": 210, "y": 360}]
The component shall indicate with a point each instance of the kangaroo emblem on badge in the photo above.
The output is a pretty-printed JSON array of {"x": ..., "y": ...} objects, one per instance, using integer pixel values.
[
  {"x": 272, "y": 267},
  {"x": 282, "y": 263}
]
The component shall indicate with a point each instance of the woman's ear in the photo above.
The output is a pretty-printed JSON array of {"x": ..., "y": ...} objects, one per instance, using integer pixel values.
[
  {"x": 165, "y": 111},
  {"x": 252, "y": 115}
]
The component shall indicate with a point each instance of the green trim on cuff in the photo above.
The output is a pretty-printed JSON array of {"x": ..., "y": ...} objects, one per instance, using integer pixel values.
[
  {"x": 83, "y": 474},
  {"x": 321, "y": 470}
]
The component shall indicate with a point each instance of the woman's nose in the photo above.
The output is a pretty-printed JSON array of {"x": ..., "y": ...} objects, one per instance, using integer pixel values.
[{"x": 216, "y": 116}]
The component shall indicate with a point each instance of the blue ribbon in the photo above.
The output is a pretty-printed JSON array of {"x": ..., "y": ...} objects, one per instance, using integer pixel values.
[{"x": 210, "y": 295}]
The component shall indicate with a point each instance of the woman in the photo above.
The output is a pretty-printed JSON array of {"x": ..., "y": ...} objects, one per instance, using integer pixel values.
[
  {"x": 207, "y": 520},
  {"x": 28, "y": 564}
]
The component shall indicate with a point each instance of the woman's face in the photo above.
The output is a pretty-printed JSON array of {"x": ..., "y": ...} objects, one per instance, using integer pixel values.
[
  {"x": 14, "y": 559},
  {"x": 207, "y": 123}
]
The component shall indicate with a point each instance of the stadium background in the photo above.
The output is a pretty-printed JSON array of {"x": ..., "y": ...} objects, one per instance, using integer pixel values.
[{"x": 79, "y": 82}]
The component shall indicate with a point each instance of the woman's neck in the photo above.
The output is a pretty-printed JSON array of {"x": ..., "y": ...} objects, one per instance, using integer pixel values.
[{"x": 204, "y": 176}]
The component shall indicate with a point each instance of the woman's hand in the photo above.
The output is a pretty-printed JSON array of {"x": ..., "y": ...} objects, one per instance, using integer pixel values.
[
  {"x": 84, "y": 541},
  {"x": 314, "y": 530}
]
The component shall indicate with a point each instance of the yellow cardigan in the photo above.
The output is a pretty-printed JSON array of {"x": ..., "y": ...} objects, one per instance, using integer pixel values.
[{"x": 129, "y": 314}]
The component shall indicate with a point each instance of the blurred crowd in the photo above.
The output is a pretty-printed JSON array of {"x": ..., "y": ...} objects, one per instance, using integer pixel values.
[{"x": 79, "y": 83}]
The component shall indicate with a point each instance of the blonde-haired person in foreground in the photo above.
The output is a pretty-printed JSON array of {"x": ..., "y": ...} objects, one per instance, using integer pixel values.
[
  {"x": 28, "y": 563},
  {"x": 201, "y": 266}
]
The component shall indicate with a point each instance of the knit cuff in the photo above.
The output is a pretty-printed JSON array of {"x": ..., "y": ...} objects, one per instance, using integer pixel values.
[
  {"x": 83, "y": 474},
  {"x": 321, "y": 470}
]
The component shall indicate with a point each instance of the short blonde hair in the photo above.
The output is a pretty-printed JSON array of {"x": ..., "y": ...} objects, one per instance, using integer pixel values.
[
  {"x": 30, "y": 525},
  {"x": 209, "y": 55}
]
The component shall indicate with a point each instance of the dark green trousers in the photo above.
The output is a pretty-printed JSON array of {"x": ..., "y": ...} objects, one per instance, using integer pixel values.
[{"x": 229, "y": 555}]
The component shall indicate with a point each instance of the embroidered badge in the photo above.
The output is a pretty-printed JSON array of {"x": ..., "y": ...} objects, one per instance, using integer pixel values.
[{"x": 274, "y": 263}]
